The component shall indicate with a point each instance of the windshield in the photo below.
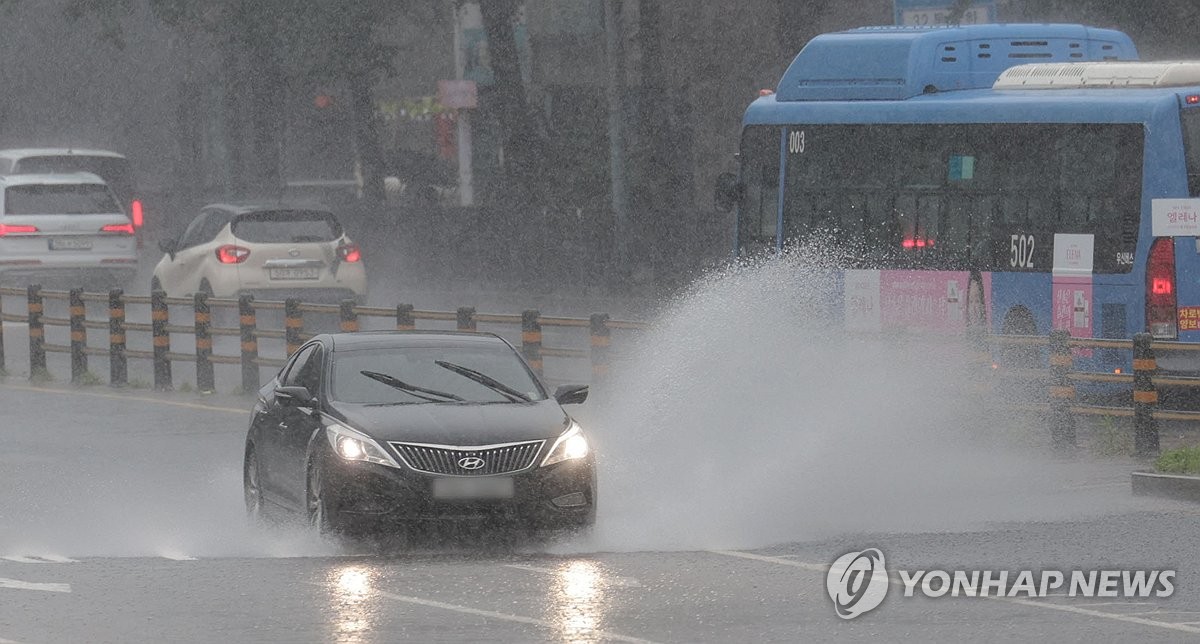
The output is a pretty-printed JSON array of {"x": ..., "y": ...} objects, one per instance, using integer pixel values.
[
  {"x": 287, "y": 227},
  {"x": 114, "y": 170},
  {"x": 59, "y": 199},
  {"x": 953, "y": 196},
  {"x": 418, "y": 368}
]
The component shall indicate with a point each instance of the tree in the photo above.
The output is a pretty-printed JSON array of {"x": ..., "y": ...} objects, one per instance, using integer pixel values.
[{"x": 267, "y": 48}]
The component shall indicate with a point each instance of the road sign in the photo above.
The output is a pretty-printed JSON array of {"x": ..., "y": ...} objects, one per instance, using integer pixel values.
[{"x": 937, "y": 12}]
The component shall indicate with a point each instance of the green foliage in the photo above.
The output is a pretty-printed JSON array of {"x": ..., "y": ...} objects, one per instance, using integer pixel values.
[
  {"x": 1112, "y": 438},
  {"x": 1185, "y": 460},
  {"x": 185, "y": 388},
  {"x": 90, "y": 379}
]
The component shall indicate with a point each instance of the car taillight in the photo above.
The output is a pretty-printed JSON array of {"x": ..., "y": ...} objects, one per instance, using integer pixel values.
[
  {"x": 7, "y": 229},
  {"x": 135, "y": 212},
  {"x": 230, "y": 254},
  {"x": 118, "y": 228},
  {"x": 350, "y": 253},
  {"x": 1160, "y": 289}
]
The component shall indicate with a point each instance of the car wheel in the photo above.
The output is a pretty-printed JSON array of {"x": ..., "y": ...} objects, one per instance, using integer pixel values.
[
  {"x": 251, "y": 488},
  {"x": 206, "y": 288},
  {"x": 155, "y": 285},
  {"x": 320, "y": 515}
]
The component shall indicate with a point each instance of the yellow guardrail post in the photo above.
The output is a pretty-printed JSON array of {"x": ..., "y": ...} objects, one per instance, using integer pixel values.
[
  {"x": 466, "y": 318},
  {"x": 78, "y": 313},
  {"x": 404, "y": 318},
  {"x": 531, "y": 339},
  {"x": 118, "y": 367},
  {"x": 205, "y": 379},
  {"x": 1062, "y": 392},
  {"x": 293, "y": 323},
  {"x": 248, "y": 325},
  {"x": 159, "y": 319},
  {"x": 349, "y": 318},
  {"x": 37, "y": 332},
  {"x": 1145, "y": 396},
  {"x": 2, "y": 335},
  {"x": 600, "y": 340}
]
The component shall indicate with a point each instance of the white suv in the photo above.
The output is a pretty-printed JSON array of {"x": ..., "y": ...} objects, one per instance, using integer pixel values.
[
  {"x": 270, "y": 251},
  {"x": 64, "y": 227}
]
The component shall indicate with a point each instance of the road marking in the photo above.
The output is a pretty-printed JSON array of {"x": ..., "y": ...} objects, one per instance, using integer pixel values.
[
  {"x": 1116, "y": 604},
  {"x": 1014, "y": 600},
  {"x": 37, "y": 559},
  {"x": 774, "y": 560},
  {"x": 591, "y": 633},
  {"x": 178, "y": 557},
  {"x": 121, "y": 397},
  {"x": 624, "y": 582},
  {"x": 30, "y": 585}
]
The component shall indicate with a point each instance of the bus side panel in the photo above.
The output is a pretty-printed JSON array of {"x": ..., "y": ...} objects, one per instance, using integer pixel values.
[{"x": 1021, "y": 303}]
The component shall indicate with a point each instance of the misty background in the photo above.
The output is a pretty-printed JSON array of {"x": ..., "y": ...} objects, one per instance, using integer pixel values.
[{"x": 599, "y": 130}]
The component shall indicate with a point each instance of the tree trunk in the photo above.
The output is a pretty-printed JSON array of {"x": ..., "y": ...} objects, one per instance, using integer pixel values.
[{"x": 520, "y": 138}]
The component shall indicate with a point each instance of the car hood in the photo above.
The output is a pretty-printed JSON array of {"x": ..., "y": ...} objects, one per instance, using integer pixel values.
[{"x": 456, "y": 424}]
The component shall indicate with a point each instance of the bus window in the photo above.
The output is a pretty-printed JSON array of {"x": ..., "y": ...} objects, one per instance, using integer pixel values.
[
  {"x": 953, "y": 196},
  {"x": 758, "y": 214},
  {"x": 1191, "y": 147}
]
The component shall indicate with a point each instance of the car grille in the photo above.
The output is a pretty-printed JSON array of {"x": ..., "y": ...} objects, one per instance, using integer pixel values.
[{"x": 445, "y": 459}]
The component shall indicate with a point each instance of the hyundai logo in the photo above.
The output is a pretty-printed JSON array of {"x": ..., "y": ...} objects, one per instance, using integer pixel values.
[{"x": 471, "y": 463}]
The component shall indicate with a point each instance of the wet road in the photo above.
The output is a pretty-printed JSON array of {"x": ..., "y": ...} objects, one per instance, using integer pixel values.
[{"x": 121, "y": 521}]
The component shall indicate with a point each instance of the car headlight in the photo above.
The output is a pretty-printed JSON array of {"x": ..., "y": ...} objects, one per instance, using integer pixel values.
[
  {"x": 569, "y": 446},
  {"x": 353, "y": 445}
]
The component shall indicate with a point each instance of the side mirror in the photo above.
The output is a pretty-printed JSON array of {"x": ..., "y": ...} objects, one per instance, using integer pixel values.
[
  {"x": 169, "y": 246},
  {"x": 294, "y": 396},
  {"x": 729, "y": 191},
  {"x": 571, "y": 394}
]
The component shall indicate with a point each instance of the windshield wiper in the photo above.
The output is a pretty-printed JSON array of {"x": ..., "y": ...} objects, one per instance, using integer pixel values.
[
  {"x": 428, "y": 395},
  {"x": 487, "y": 381}
]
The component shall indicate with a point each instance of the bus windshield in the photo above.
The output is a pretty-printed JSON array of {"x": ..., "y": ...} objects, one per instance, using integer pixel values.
[{"x": 955, "y": 196}]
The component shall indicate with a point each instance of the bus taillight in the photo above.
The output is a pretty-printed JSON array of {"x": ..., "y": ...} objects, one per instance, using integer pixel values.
[{"x": 1160, "y": 289}]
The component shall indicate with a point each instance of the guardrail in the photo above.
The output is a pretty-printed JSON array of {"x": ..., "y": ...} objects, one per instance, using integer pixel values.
[
  {"x": 599, "y": 327},
  {"x": 1063, "y": 406}
]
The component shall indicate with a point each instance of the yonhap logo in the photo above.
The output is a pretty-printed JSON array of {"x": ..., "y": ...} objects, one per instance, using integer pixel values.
[{"x": 857, "y": 582}]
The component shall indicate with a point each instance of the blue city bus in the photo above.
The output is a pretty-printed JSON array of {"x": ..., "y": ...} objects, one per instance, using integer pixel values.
[{"x": 1022, "y": 177}]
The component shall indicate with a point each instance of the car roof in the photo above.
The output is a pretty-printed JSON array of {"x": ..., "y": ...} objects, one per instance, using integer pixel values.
[
  {"x": 242, "y": 208},
  {"x": 61, "y": 178},
  {"x": 20, "y": 153},
  {"x": 406, "y": 339}
]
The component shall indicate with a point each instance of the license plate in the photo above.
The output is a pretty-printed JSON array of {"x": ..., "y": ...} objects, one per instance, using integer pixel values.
[
  {"x": 293, "y": 273},
  {"x": 465, "y": 487},
  {"x": 70, "y": 244}
]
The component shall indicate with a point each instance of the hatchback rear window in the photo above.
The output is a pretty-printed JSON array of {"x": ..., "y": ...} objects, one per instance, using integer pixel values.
[
  {"x": 59, "y": 199},
  {"x": 114, "y": 170},
  {"x": 287, "y": 227}
]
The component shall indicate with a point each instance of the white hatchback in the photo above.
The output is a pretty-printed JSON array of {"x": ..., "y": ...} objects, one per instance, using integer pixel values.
[
  {"x": 66, "y": 228},
  {"x": 271, "y": 251}
]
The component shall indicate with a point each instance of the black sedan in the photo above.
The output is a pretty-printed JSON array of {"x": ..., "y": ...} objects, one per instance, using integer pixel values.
[{"x": 362, "y": 431}]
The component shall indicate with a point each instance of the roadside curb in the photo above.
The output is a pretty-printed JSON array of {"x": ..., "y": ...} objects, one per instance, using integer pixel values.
[{"x": 1172, "y": 486}]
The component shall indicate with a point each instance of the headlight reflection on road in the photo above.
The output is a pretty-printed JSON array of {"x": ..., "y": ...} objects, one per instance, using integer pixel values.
[
  {"x": 578, "y": 600},
  {"x": 352, "y": 605}
]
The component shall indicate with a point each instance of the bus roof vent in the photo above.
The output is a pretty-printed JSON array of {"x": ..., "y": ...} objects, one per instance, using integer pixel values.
[
  {"x": 1100, "y": 75},
  {"x": 895, "y": 63}
]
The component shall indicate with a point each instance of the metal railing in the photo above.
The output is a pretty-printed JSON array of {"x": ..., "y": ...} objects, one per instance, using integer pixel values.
[
  {"x": 1063, "y": 405},
  {"x": 599, "y": 329}
]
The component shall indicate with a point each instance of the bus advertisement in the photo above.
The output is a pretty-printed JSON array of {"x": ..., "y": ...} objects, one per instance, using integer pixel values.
[{"x": 1023, "y": 177}]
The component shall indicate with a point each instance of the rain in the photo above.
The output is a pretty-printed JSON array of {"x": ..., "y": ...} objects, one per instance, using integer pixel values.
[{"x": 598, "y": 320}]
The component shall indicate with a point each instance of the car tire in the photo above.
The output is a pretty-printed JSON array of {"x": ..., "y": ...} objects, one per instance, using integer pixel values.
[
  {"x": 252, "y": 488},
  {"x": 155, "y": 285},
  {"x": 322, "y": 514},
  {"x": 205, "y": 287}
]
